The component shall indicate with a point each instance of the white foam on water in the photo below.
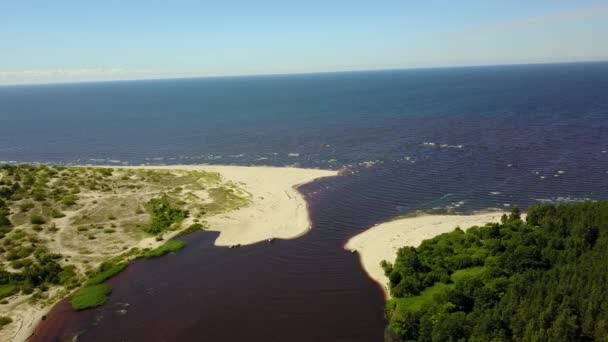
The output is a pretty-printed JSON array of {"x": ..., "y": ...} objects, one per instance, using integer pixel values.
[{"x": 293, "y": 154}]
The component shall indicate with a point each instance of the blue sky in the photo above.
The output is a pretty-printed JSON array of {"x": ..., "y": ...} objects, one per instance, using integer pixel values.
[{"x": 63, "y": 41}]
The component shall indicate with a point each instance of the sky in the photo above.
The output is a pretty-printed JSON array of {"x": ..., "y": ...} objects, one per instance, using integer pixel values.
[{"x": 73, "y": 41}]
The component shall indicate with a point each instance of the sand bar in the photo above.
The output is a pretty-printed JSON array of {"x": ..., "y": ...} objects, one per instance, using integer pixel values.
[
  {"x": 277, "y": 210},
  {"x": 382, "y": 241}
]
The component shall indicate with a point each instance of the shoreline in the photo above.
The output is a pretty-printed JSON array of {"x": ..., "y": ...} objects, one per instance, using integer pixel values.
[
  {"x": 382, "y": 241},
  {"x": 276, "y": 210}
]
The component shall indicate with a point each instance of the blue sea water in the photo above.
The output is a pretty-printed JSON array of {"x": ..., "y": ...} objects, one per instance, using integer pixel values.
[
  {"x": 490, "y": 129},
  {"x": 456, "y": 140}
]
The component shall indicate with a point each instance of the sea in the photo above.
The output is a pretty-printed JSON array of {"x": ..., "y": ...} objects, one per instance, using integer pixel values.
[{"x": 445, "y": 140}]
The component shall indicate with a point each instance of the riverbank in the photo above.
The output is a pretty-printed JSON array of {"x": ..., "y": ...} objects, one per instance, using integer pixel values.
[
  {"x": 277, "y": 210},
  {"x": 244, "y": 204},
  {"x": 382, "y": 241}
]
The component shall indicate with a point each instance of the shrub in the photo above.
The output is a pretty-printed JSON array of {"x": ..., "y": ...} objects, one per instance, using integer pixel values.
[
  {"x": 163, "y": 215},
  {"x": 4, "y": 320},
  {"x": 57, "y": 214},
  {"x": 27, "y": 206},
  {"x": 36, "y": 219},
  {"x": 69, "y": 200}
]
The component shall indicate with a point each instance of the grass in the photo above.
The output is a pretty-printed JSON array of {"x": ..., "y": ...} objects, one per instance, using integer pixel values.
[
  {"x": 225, "y": 199},
  {"x": 106, "y": 271},
  {"x": 167, "y": 247},
  {"x": 90, "y": 296},
  {"x": 7, "y": 290},
  {"x": 192, "y": 228},
  {"x": 467, "y": 272},
  {"x": 425, "y": 297}
]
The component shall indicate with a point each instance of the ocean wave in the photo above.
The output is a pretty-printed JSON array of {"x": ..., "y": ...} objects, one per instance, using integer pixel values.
[
  {"x": 433, "y": 144},
  {"x": 560, "y": 199}
]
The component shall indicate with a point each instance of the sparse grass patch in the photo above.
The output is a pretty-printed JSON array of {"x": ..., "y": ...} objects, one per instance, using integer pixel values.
[{"x": 7, "y": 290}]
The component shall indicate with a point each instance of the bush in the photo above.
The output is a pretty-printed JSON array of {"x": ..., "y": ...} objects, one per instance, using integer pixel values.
[
  {"x": 90, "y": 296},
  {"x": 163, "y": 215},
  {"x": 4, "y": 320},
  {"x": 69, "y": 200},
  {"x": 36, "y": 219},
  {"x": 57, "y": 214},
  {"x": 27, "y": 206}
]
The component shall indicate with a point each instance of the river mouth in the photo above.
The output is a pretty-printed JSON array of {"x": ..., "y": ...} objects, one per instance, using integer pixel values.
[
  {"x": 311, "y": 288},
  {"x": 305, "y": 289}
]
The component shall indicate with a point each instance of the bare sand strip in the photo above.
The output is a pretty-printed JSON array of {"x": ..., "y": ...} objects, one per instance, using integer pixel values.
[
  {"x": 277, "y": 210},
  {"x": 382, "y": 241}
]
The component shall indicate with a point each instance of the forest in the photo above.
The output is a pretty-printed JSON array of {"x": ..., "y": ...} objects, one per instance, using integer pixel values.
[{"x": 542, "y": 279}]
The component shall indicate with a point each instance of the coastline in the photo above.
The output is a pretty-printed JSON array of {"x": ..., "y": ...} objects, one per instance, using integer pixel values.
[
  {"x": 382, "y": 241},
  {"x": 276, "y": 210}
]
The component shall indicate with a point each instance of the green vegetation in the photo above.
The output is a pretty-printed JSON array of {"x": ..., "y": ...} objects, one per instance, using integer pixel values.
[
  {"x": 90, "y": 296},
  {"x": 5, "y": 321},
  {"x": 106, "y": 271},
  {"x": 167, "y": 247},
  {"x": 99, "y": 205},
  {"x": 164, "y": 215},
  {"x": 7, "y": 290},
  {"x": 541, "y": 280},
  {"x": 36, "y": 219},
  {"x": 195, "y": 227}
]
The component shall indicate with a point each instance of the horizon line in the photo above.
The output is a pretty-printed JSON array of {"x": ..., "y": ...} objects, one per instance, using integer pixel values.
[{"x": 177, "y": 78}]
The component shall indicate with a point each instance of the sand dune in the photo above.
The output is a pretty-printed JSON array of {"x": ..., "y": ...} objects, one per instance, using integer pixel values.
[{"x": 277, "y": 210}]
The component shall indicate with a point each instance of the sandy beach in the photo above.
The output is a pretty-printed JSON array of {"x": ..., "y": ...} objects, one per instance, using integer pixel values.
[
  {"x": 382, "y": 241},
  {"x": 277, "y": 210}
]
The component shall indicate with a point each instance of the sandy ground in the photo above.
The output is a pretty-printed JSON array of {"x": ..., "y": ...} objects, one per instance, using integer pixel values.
[
  {"x": 382, "y": 241},
  {"x": 277, "y": 210}
]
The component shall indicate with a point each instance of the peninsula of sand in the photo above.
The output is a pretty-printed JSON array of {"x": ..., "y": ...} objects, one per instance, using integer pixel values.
[
  {"x": 110, "y": 205},
  {"x": 277, "y": 209},
  {"x": 382, "y": 241}
]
